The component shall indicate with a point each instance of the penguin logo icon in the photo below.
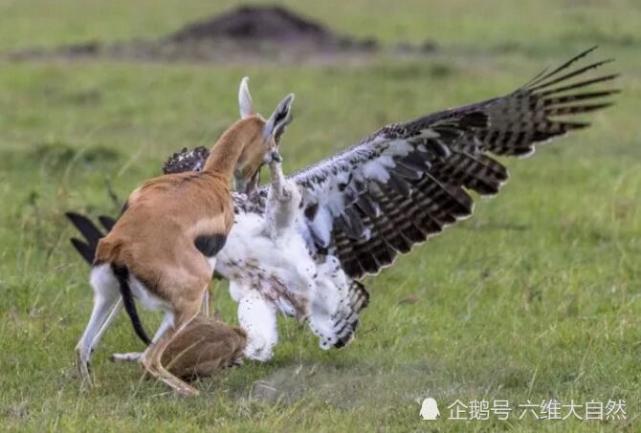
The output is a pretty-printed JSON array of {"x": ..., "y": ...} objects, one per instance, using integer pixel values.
[{"x": 429, "y": 409}]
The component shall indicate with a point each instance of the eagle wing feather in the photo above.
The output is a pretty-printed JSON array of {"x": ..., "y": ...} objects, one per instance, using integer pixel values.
[{"x": 407, "y": 182}]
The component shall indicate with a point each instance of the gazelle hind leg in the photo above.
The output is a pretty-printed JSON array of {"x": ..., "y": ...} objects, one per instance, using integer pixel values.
[
  {"x": 205, "y": 306},
  {"x": 106, "y": 297},
  {"x": 110, "y": 318},
  {"x": 151, "y": 358}
]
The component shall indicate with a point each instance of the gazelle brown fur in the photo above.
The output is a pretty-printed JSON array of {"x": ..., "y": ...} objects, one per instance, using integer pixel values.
[
  {"x": 205, "y": 346},
  {"x": 163, "y": 248}
]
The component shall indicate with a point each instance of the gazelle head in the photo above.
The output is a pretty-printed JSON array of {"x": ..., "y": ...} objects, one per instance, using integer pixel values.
[{"x": 265, "y": 149}]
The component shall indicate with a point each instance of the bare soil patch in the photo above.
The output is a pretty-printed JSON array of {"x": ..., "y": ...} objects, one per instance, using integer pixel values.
[{"x": 344, "y": 386}]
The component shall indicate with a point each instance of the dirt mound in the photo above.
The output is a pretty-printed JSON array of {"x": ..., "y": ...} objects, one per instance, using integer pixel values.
[
  {"x": 270, "y": 23},
  {"x": 244, "y": 34}
]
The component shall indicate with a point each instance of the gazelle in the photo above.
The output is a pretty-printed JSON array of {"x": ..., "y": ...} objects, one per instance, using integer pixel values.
[
  {"x": 363, "y": 207},
  {"x": 162, "y": 250}
]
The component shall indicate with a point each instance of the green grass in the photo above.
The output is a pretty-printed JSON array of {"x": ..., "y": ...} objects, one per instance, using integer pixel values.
[{"x": 538, "y": 296}]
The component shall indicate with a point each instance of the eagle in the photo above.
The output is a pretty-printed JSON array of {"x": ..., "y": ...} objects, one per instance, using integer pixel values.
[{"x": 354, "y": 213}]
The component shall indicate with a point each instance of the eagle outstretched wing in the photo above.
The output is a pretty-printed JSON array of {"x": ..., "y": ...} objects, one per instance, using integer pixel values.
[{"x": 408, "y": 181}]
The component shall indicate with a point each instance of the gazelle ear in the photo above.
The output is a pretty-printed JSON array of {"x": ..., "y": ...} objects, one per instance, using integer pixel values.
[
  {"x": 280, "y": 118},
  {"x": 245, "y": 103}
]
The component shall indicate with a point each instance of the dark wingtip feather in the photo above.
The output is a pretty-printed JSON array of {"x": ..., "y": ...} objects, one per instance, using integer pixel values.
[
  {"x": 565, "y": 110},
  {"x": 542, "y": 76},
  {"x": 553, "y": 79},
  {"x": 107, "y": 222},
  {"x": 84, "y": 249},
  {"x": 72, "y": 216},
  {"x": 552, "y": 100},
  {"x": 568, "y": 125},
  {"x": 86, "y": 227},
  {"x": 579, "y": 85}
]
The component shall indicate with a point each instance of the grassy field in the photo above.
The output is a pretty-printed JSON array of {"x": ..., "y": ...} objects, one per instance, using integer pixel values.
[{"x": 538, "y": 296}]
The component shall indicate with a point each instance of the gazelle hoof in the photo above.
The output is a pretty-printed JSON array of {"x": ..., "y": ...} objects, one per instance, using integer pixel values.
[
  {"x": 187, "y": 391},
  {"x": 84, "y": 369},
  {"x": 126, "y": 357}
]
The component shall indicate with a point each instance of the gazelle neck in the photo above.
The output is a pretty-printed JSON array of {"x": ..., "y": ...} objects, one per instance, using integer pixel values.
[{"x": 229, "y": 147}]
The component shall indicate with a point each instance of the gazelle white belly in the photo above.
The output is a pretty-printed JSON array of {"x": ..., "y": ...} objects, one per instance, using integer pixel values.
[{"x": 148, "y": 300}]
